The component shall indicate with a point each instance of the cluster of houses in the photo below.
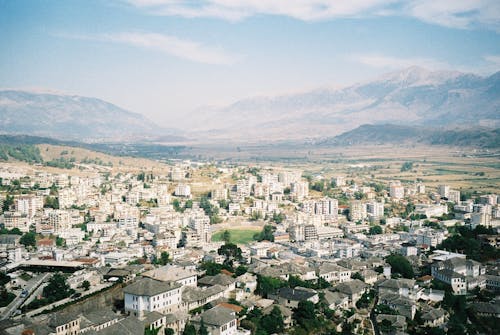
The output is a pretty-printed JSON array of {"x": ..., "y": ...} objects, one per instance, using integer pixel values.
[{"x": 109, "y": 220}]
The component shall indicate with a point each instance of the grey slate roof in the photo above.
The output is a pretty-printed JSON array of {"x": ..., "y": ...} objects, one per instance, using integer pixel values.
[
  {"x": 355, "y": 286},
  {"x": 216, "y": 316},
  {"x": 219, "y": 279},
  {"x": 295, "y": 294},
  {"x": 150, "y": 287}
]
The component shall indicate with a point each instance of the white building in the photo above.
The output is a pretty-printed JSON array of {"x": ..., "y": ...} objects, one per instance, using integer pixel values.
[{"x": 149, "y": 295}]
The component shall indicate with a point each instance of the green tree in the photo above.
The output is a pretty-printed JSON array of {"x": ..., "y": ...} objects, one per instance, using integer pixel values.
[
  {"x": 305, "y": 315},
  {"x": 86, "y": 285},
  {"x": 273, "y": 322},
  {"x": 169, "y": 331},
  {"x": 189, "y": 329},
  {"x": 375, "y": 230},
  {"x": 267, "y": 285},
  {"x": 57, "y": 288},
  {"x": 226, "y": 236},
  {"x": 203, "y": 329},
  {"x": 400, "y": 265},
  {"x": 28, "y": 239},
  {"x": 60, "y": 242},
  {"x": 164, "y": 257},
  {"x": 265, "y": 234}
]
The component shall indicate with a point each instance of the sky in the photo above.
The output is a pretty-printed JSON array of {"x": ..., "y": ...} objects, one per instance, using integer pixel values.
[{"x": 166, "y": 58}]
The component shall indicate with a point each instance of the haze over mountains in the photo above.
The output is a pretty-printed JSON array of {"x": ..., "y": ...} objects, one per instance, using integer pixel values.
[
  {"x": 71, "y": 117},
  {"x": 414, "y": 96}
]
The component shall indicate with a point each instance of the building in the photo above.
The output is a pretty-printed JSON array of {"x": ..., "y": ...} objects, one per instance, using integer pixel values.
[
  {"x": 444, "y": 191},
  {"x": 218, "y": 320},
  {"x": 396, "y": 190},
  {"x": 357, "y": 210},
  {"x": 149, "y": 295}
]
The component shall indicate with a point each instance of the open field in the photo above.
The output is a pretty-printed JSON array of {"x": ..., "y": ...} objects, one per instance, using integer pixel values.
[
  {"x": 238, "y": 236},
  {"x": 463, "y": 168}
]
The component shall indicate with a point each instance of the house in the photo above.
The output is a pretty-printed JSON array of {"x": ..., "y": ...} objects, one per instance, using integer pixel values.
[
  {"x": 247, "y": 282},
  {"x": 402, "y": 304},
  {"x": 178, "y": 274},
  {"x": 65, "y": 323},
  {"x": 229, "y": 283},
  {"x": 369, "y": 276},
  {"x": 148, "y": 295},
  {"x": 434, "y": 317},
  {"x": 397, "y": 321},
  {"x": 290, "y": 297},
  {"x": 194, "y": 297},
  {"x": 333, "y": 273},
  {"x": 353, "y": 290},
  {"x": 97, "y": 320},
  {"x": 487, "y": 309},
  {"x": 404, "y": 287},
  {"x": 218, "y": 320},
  {"x": 336, "y": 300},
  {"x": 176, "y": 321},
  {"x": 462, "y": 274},
  {"x": 285, "y": 312}
]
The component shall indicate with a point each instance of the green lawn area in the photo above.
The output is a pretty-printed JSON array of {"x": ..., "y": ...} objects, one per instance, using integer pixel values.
[{"x": 241, "y": 236}]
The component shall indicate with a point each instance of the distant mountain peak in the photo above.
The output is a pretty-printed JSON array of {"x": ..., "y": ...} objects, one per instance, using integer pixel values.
[{"x": 70, "y": 117}]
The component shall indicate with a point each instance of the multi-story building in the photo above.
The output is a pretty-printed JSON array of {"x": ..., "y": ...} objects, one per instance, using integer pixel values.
[
  {"x": 357, "y": 210},
  {"x": 150, "y": 295}
]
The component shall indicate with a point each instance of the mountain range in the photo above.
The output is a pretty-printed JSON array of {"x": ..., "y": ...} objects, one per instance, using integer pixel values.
[
  {"x": 414, "y": 96},
  {"x": 479, "y": 137},
  {"x": 71, "y": 117}
]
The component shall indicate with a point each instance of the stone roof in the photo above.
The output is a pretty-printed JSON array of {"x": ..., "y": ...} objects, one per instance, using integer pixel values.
[
  {"x": 295, "y": 294},
  {"x": 170, "y": 273},
  {"x": 150, "y": 287},
  {"x": 355, "y": 286},
  {"x": 62, "y": 318},
  {"x": 433, "y": 314},
  {"x": 100, "y": 316},
  {"x": 334, "y": 297},
  {"x": 219, "y": 279},
  {"x": 128, "y": 326},
  {"x": 285, "y": 311},
  {"x": 329, "y": 267},
  {"x": 397, "y": 283},
  {"x": 216, "y": 316},
  {"x": 191, "y": 294}
]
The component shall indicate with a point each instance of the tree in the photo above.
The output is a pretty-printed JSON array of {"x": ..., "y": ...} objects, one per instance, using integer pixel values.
[
  {"x": 400, "y": 265},
  {"x": 28, "y": 239},
  {"x": 375, "y": 230},
  {"x": 267, "y": 285},
  {"x": 86, "y": 285},
  {"x": 231, "y": 251},
  {"x": 357, "y": 275},
  {"x": 203, "y": 329},
  {"x": 169, "y": 331},
  {"x": 57, "y": 288},
  {"x": 305, "y": 315},
  {"x": 189, "y": 329},
  {"x": 265, "y": 234},
  {"x": 164, "y": 256},
  {"x": 407, "y": 166},
  {"x": 226, "y": 236},
  {"x": 241, "y": 269},
  {"x": 60, "y": 242},
  {"x": 273, "y": 322}
]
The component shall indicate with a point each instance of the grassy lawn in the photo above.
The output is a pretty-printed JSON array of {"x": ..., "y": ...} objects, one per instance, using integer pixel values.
[{"x": 241, "y": 236}]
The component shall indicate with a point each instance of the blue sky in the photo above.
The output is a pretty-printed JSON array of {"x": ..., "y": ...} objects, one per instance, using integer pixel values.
[{"x": 164, "y": 58}]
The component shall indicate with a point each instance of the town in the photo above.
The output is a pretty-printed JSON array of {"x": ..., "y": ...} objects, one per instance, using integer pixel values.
[{"x": 197, "y": 247}]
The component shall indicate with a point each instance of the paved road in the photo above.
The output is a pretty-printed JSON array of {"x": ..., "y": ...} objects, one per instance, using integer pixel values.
[{"x": 31, "y": 286}]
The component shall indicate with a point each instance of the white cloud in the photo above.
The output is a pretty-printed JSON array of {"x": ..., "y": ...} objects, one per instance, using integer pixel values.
[
  {"x": 457, "y": 13},
  {"x": 166, "y": 44},
  {"x": 449, "y": 13},
  {"x": 395, "y": 63}
]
